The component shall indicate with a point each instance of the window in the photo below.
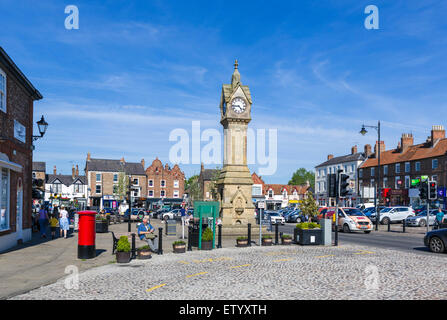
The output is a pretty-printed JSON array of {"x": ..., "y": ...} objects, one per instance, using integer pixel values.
[
  {"x": 163, "y": 183},
  {"x": 115, "y": 189},
  {"x": 176, "y": 193},
  {"x": 115, "y": 177},
  {"x": 434, "y": 164},
  {"x": 2, "y": 91},
  {"x": 57, "y": 187},
  {"x": 385, "y": 182},
  {"x": 434, "y": 178},
  {"x": 397, "y": 167},
  {"x": 407, "y": 181},
  {"x": 162, "y": 193},
  {"x": 151, "y": 193},
  {"x": 4, "y": 199},
  {"x": 385, "y": 170},
  {"x": 361, "y": 173},
  {"x": 352, "y": 168},
  {"x": 176, "y": 184},
  {"x": 98, "y": 177},
  {"x": 373, "y": 172},
  {"x": 270, "y": 193},
  {"x": 397, "y": 182},
  {"x": 98, "y": 188},
  {"x": 151, "y": 183},
  {"x": 417, "y": 166},
  {"x": 324, "y": 172},
  {"x": 407, "y": 167},
  {"x": 136, "y": 182},
  {"x": 136, "y": 193},
  {"x": 373, "y": 183},
  {"x": 78, "y": 188},
  {"x": 346, "y": 168}
]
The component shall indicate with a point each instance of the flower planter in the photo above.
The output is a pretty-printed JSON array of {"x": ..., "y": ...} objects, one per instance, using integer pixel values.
[
  {"x": 309, "y": 236},
  {"x": 144, "y": 254},
  {"x": 286, "y": 241},
  {"x": 123, "y": 257},
  {"x": 267, "y": 242},
  {"x": 242, "y": 243},
  {"x": 179, "y": 248},
  {"x": 102, "y": 227},
  {"x": 207, "y": 245}
]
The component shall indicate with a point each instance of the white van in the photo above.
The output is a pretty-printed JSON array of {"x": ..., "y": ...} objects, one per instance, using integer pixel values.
[{"x": 363, "y": 206}]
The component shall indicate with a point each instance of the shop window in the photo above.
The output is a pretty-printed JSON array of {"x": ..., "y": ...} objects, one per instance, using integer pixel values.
[{"x": 4, "y": 199}]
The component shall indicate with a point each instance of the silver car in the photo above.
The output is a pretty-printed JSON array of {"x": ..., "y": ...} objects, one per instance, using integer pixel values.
[{"x": 421, "y": 219}]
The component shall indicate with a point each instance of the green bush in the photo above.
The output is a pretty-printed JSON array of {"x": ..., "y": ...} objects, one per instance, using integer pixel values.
[
  {"x": 123, "y": 244},
  {"x": 178, "y": 242},
  {"x": 242, "y": 238},
  {"x": 267, "y": 236},
  {"x": 308, "y": 225},
  {"x": 286, "y": 236},
  {"x": 207, "y": 235},
  {"x": 146, "y": 247}
]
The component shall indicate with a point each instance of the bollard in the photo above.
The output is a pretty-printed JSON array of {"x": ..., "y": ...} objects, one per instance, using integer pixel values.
[
  {"x": 276, "y": 233},
  {"x": 219, "y": 236},
  {"x": 189, "y": 238},
  {"x": 249, "y": 234},
  {"x": 160, "y": 240},
  {"x": 128, "y": 224},
  {"x": 403, "y": 225},
  {"x": 389, "y": 225},
  {"x": 133, "y": 247}
]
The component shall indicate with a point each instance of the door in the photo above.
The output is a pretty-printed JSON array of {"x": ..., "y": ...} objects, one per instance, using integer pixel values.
[{"x": 19, "y": 214}]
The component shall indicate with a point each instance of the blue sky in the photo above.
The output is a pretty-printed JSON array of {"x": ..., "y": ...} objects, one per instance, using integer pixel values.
[{"x": 135, "y": 70}]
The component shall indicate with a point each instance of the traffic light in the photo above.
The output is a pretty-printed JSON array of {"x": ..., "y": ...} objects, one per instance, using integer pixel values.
[
  {"x": 433, "y": 190},
  {"x": 344, "y": 184},
  {"x": 423, "y": 191},
  {"x": 332, "y": 185}
]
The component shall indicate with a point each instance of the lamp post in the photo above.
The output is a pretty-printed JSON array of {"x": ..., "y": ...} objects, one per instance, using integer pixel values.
[
  {"x": 42, "y": 125},
  {"x": 363, "y": 131}
]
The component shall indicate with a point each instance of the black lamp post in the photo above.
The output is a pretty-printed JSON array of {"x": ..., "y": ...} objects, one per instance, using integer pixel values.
[
  {"x": 363, "y": 131},
  {"x": 42, "y": 125}
]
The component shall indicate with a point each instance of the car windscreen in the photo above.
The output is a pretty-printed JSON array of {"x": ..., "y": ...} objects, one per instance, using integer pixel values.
[
  {"x": 386, "y": 210},
  {"x": 274, "y": 214},
  {"x": 353, "y": 212}
]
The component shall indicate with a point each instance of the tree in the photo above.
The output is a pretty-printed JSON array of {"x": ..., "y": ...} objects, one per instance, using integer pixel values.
[
  {"x": 301, "y": 176},
  {"x": 213, "y": 185},
  {"x": 193, "y": 187},
  {"x": 123, "y": 186},
  {"x": 309, "y": 206}
]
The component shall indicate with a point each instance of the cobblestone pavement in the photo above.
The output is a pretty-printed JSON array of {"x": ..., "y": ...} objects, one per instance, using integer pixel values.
[{"x": 277, "y": 272}]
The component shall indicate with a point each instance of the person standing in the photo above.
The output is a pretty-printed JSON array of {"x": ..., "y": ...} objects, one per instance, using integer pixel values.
[
  {"x": 54, "y": 223},
  {"x": 43, "y": 220},
  {"x": 439, "y": 217},
  {"x": 63, "y": 222}
]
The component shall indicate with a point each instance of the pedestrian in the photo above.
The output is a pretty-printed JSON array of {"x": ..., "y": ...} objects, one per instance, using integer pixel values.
[
  {"x": 439, "y": 217},
  {"x": 54, "y": 224},
  {"x": 43, "y": 221},
  {"x": 63, "y": 222},
  {"x": 146, "y": 232}
]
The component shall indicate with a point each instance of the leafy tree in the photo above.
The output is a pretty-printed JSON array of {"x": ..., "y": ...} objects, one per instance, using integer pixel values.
[
  {"x": 193, "y": 187},
  {"x": 301, "y": 176},
  {"x": 123, "y": 185},
  {"x": 213, "y": 185},
  {"x": 309, "y": 206}
]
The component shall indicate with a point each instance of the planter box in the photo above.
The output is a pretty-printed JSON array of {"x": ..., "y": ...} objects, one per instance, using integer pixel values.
[
  {"x": 242, "y": 243},
  {"x": 102, "y": 227},
  {"x": 286, "y": 241},
  {"x": 267, "y": 242},
  {"x": 123, "y": 257},
  {"x": 207, "y": 245},
  {"x": 179, "y": 248},
  {"x": 144, "y": 254},
  {"x": 309, "y": 236}
]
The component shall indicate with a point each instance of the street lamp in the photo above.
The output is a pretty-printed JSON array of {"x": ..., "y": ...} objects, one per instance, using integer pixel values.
[
  {"x": 42, "y": 125},
  {"x": 363, "y": 131}
]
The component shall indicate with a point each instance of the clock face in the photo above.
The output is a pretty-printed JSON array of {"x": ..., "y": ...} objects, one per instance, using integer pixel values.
[{"x": 238, "y": 105}]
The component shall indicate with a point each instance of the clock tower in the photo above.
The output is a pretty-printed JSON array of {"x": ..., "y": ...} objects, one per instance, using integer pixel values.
[{"x": 235, "y": 183}]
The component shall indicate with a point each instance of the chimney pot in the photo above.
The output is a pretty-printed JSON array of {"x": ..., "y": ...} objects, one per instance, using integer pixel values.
[
  {"x": 330, "y": 156},
  {"x": 354, "y": 150},
  {"x": 368, "y": 151},
  {"x": 406, "y": 141},
  {"x": 88, "y": 156},
  {"x": 437, "y": 132},
  {"x": 54, "y": 170}
]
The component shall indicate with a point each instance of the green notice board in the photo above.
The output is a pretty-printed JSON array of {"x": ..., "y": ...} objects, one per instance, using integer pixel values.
[{"x": 210, "y": 211}]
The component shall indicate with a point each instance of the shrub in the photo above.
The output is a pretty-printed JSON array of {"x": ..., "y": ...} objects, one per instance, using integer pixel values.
[
  {"x": 207, "y": 235},
  {"x": 307, "y": 225},
  {"x": 146, "y": 247},
  {"x": 178, "y": 242},
  {"x": 123, "y": 244},
  {"x": 242, "y": 238},
  {"x": 267, "y": 236},
  {"x": 286, "y": 236}
]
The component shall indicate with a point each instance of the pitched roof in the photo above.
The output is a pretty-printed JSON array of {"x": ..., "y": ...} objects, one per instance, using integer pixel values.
[
  {"x": 415, "y": 152},
  {"x": 108, "y": 165},
  {"x": 360, "y": 156},
  {"x": 39, "y": 166},
  {"x": 64, "y": 179},
  {"x": 208, "y": 174},
  {"x": 278, "y": 188}
]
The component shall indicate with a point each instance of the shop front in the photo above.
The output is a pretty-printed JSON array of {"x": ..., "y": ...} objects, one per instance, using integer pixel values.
[
  {"x": 397, "y": 197},
  {"x": 110, "y": 202}
]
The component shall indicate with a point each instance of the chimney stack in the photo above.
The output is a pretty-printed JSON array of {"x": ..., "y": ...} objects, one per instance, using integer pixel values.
[
  {"x": 88, "y": 156},
  {"x": 122, "y": 160},
  {"x": 437, "y": 132},
  {"x": 54, "y": 170},
  {"x": 73, "y": 172},
  {"x": 368, "y": 151},
  {"x": 406, "y": 141},
  {"x": 354, "y": 150},
  {"x": 382, "y": 148},
  {"x": 143, "y": 163},
  {"x": 330, "y": 156},
  {"x": 77, "y": 171}
]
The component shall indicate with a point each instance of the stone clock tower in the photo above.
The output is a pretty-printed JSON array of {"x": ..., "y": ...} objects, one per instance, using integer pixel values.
[{"x": 235, "y": 183}]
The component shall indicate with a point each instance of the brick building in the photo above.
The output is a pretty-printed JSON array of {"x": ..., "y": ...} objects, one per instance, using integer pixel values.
[
  {"x": 401, "y": 165},
  {"x": 103, "y": 177},
  {"x": 207, "y": 179},
  {"x": 17, "y": 96},
  {"x": 164, "y": 184}
]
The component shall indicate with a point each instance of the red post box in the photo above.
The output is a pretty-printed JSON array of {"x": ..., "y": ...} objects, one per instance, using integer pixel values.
[{"x": 87, "y": 235}]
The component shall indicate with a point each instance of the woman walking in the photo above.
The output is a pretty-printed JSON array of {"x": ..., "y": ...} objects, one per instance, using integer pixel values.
[
  {"x": 63, "y": 221},
  {"x": 43, "y": 220}
]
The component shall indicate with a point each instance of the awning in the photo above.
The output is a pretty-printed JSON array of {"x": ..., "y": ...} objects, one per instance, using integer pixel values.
[{"x": 5, "y": 163}]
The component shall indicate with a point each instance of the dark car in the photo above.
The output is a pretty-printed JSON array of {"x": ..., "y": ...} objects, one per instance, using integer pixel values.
[{"x": 436, "y": 240}]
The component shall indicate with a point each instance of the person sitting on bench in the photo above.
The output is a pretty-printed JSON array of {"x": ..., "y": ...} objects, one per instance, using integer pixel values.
[{"x": 146, "y": 232}]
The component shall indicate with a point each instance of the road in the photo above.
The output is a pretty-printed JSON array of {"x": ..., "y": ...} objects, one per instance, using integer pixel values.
[{"x": 390, "y": 240}]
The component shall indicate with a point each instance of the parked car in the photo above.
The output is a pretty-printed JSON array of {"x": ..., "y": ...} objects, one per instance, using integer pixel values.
[
  {"x": 436, "y": 240},
  {"x": 351, "y": 219},
  {"x": 363, "y": 206},
  {"x": 394, "y": 214},
  {"x": 171, "y": 215},
  {"x": 372, "y": 210},
  {"x": 159, "y": 213},
  {"x": 297, "y": 217},
  {"x": 275, "y": 217},
  {"x": 420, "y": 220}
]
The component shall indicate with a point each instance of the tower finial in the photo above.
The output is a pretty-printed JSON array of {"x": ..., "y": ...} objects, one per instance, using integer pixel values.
[{"x": 236, "y": 64}]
